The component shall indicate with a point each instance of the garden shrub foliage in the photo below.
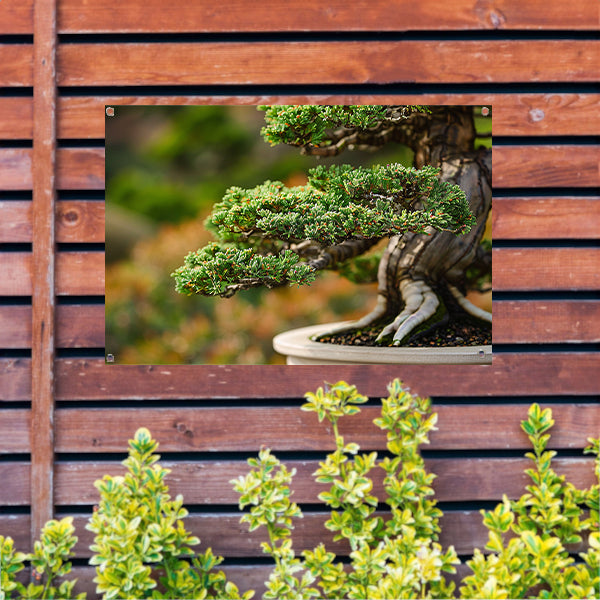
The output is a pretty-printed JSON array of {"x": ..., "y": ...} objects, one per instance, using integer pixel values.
[
  {"x": 400, "y": 557},
  {"x": 142, "y": 549}
]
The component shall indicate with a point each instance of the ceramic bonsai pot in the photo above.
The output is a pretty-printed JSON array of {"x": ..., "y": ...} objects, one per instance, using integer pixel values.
[{"x": 300, "y": 348}]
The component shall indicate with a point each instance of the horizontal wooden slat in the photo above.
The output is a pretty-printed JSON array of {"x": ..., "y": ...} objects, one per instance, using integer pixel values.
[
  {"x": 15, "y": 169},
  {"x": 16, "y": 65},
  {"x": 16, "y": 17},
  {"x": 17, "y": 118},
  {"x": 212, "y": 63},
  {"x": 15, "y": 223},
  {"x": 16, "y": 489},
  {"x": 513, "y": 114},
  {"x": 15, "y": 431},
  {"x": 335, "y": 15},
  {"x": 76, "y": 221},
  {"x": 80, "y": 169},
  {"x": 555, "y": 373},
  {"x": 375, "y": 15},
  {"x": 552, "y": 321},
  {"x": 80, "y": 221},
  {"x": 290, "y": 429},
  {"x": 77, "y": 326},
  {"x": 528, "y": 269},
  {"x": 458, "y": 480},
  {"x": 545, "y": 218},
  {"x": 546, "y": 166},
  {"x": 77, "y": 273}
]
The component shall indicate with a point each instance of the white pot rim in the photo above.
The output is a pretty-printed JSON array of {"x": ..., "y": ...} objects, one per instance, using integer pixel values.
[{"x": 299, "y": 349}]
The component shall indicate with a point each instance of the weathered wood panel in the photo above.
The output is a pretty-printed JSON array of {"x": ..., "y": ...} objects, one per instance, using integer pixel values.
[
  {"x": 553, "y": 166},
  {"x": 527, "y": 374},
  {"x": 549, "y": 322},
  {"x": 77, "y": 326},
  {"x": 375, "y": 15},
  {"x": 529, "y": 269},
  {"x": 77, "y": 273},
  {"x": 272, "y": 63},
  {"x": 15, "y": 428},
  {"x": 336, "y": 15},
  {"x": 16, "y": 65},
  {"x": 290, "y": 429},
  {"x": 15, "y": 169},
  {"x": 545, "y": 218},
  {"x": 205, "y": 483},
  {"x": 76, "y": 221},
  {"x": 513, "y": 114}
]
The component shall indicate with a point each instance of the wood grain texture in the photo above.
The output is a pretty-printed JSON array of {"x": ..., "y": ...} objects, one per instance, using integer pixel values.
[
  {"x": 541, "y": 373},
  {"x": 290, "y": 429},
  {"x": 545, "y": 218},
  {"x": 17, "y": 118},
  {"x": 43, "y": 265},
  {"x": 513, "y": 114},
  {"x": 15, "y": 224},
  {"x": 15, "y": 432},
  {"x": 16, "y": 488},
  {"x": 528, "y": 269},
  {"x": 77, "y": 326},
  {"x": 553, "y": 166},
  {"x": 80, "y": 221},
  {"x": 76, "y": 221},
  {"x": 208, "y": 482},
  {"x": 546, "y": 322},
  {"x": 334, "y": 15},
  {"x": 520, "y": 374},
  {"x": 15, "y": 169},
  {"x": 80, "y": 169},
  {"x": 221, "y": 63},
  {"x": 77, "y": 273},
  {"x": 16, "y": 65}
]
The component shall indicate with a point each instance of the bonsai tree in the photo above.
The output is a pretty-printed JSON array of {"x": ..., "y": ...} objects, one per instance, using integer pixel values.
[{"x": 432, "y": 217}]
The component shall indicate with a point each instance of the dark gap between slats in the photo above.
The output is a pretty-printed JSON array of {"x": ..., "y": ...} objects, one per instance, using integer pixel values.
[
  {"x": 76, "y": 300},
  {"x": 296, "y": 403},
  {"x": 570, "y": 347},
  {"x": 545, "y": 243},
  {"x": 331, "y": 89},
  {"x": 80, "y": 195},
  {"x": 542, "y": 140},
  {"x": 80, "y": 246},
  {"x": 324, "y": 36}
]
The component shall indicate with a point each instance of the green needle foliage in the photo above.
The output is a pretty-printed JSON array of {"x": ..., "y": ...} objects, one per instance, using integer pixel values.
[{"x": 263, "y": 231}]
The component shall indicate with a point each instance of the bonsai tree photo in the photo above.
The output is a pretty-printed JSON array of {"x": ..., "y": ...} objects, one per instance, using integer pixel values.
[{"x": 417, "y": 231}]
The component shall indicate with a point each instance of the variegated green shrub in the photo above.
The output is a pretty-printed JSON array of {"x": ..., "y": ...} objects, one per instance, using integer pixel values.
[{"x": 400, "y": 557}]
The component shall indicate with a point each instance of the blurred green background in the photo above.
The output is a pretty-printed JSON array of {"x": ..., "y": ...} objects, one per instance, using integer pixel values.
[{"x": 165, "y": 168}]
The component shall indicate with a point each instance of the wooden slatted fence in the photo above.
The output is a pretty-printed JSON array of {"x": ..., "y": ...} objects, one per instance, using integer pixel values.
[{"x": 62, "y": 61}]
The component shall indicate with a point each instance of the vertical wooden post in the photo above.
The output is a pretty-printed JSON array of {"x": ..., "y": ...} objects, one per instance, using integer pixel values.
[{"x": 44, "y": 194}]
